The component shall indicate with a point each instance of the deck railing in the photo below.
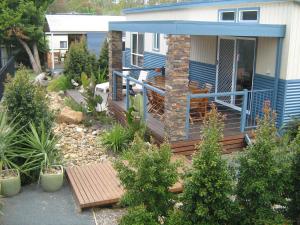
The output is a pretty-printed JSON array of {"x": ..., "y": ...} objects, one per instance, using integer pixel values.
[
  {"x": 8, "y": 68},
  {"x": 240, "y": 109},
  {"x": 145, "y": 87}
]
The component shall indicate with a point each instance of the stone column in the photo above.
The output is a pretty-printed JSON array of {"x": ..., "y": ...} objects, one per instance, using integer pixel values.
[
  {"x": 115, "y": 60},
  {"x": 177, "y": 73}
]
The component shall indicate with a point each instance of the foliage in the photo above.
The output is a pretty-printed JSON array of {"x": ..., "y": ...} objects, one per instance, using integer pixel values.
[
  {"x": 291, "y": 128},
  {"x": 138, "y": 216},
  {"x": 294, "y": 206},
  {"x": 101, "y": 76},
  {"x": 22, "y": 23},
  {"x": 137, "y": 105},
  {"x": 79, "y": 60},
  {"x": 39, "y": 149},
  {"x": 116, "y": 139},
  {"x": 26, "y": 101},
  {"x": 209, "y": 185},
  {"x": 70, "y": 102},
  {"x": 61, "y": 83},
  {"x": 147, "y": 175},
  {"x": 89, "y": 93},
  {"x": 9, "y": 136},
  {"x": 259, "y": 188},
  {"x": 135, "y": 125},
  {"x": 103, "y": 61}
]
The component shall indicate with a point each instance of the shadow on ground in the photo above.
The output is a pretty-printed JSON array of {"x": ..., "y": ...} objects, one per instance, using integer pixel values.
[{"x": 34, "y": 207}]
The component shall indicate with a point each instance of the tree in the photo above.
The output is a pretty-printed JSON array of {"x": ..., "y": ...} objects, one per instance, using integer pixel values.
[
  {"x": 23, "y": 21},
  {"x": 209, "y": 186},
  {"x": 259, "y": 185}
]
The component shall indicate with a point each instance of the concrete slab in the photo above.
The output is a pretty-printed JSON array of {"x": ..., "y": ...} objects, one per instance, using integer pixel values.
[{"x": 33, "y": 206}]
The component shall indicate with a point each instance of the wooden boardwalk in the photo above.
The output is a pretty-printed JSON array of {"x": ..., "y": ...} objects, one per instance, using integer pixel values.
[{"x": 98, "y": 184}]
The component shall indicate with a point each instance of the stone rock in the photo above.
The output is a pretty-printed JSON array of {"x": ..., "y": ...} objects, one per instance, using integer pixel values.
[{"x": 69, "y": 116}]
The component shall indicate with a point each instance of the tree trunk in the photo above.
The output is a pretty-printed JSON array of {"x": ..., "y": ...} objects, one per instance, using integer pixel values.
[
  {"x": 34, "y": 65},
  {"x": 37, "y": 56}
]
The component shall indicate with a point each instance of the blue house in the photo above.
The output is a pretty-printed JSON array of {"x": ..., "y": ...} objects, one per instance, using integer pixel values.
[{"x": 240, "y": 55}]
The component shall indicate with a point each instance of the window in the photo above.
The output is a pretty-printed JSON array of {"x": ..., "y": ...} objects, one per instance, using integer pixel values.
[
  {"x": 137, "y": 49},
  {"x": 248, "y": 15},
  {"x": 227, "y": 16},
  {"x": 63, "y": 44},
  {"x": 156, "y": 41}
]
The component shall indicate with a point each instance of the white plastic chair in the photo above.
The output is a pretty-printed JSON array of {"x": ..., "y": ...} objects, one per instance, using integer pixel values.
[{"x": 142, "y": 77}]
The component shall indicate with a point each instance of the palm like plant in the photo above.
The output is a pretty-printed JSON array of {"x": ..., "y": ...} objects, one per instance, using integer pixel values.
[
  {"x": 8, "y": 143},
  {"x": 40, "y": 148}
]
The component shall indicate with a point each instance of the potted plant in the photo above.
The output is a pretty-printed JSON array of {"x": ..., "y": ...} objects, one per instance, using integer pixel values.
[
  {"x": 9, "y": 172},
  {"x": 45, "y": 156}
]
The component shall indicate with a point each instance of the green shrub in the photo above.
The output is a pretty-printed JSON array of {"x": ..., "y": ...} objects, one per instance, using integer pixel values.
[
  {"x": 116, "y": 139},
  {"x": 208, "y": 185},
  {"x": 292, "y": 127},
  {"x": 26, "y": 102},
  {"x": 61, "y": 83},
  {"x": 70, "y": 102},
  {"x": 259, "y": 187},
  {"x": 138, "y": 216},
  {"x": 294, "y": 207},
  {"x": 147, "y": 173},
  {"x": 103, "y": 63},
  {"x": 79, "y": 60}
]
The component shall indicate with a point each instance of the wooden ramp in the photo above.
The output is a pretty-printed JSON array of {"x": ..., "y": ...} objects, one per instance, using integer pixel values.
[{"x": 98, "y": 184}]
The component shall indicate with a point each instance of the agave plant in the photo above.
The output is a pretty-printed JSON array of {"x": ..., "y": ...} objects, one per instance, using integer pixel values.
[
  {"x": 40, "y": 148},
  {"x": 9, "y": 138}
]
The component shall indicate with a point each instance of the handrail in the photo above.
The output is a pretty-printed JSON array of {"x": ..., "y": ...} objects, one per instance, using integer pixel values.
[{"x": 11, "y": 60}]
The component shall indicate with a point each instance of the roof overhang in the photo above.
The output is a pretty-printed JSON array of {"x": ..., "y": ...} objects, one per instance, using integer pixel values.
[
  {"x": 193, "y": 4},
  {"x": 200, "y": 28}
]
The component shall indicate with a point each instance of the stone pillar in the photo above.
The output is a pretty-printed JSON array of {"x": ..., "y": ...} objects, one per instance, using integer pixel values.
[
  {"x": 177, "y": 73},
  {"x": 115, "y": 61}
]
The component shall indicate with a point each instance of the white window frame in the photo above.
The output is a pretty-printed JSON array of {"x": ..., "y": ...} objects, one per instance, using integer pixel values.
[
  {"x": 60, "y": 42},
  {"x": 227, "y": 10},
  {"x": 156, "y": 41},
  {"x": 137, "y": 47},
  {"x": 240, "y": 16}
]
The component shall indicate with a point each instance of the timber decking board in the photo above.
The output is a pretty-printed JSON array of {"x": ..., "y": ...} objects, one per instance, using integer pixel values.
[{"x": 99, "y": 185}]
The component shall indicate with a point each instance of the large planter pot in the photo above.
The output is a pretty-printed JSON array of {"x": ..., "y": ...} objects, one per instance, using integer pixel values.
[
  {"x": 51, "y": 182},
  {"x": 10, "y": 183}
]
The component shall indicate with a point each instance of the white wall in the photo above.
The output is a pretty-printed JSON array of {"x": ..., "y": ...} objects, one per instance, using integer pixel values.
[
  {"x": 203, "y": 49},
  {"x": 56, "y": 42}
]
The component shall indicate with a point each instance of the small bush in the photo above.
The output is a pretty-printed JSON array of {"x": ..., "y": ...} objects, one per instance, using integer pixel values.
[
  {"x": 61, "y": 83},
  {"x": 26, "y": 102},
  {"x": 103, "y": 64},
  {"x": 147, "y": 175},
  {"x": 138, "y": 216},
  {"x": 259, "y": 187},
  {"x": 115, "y": 140},
  {"x": 208, "y": 185},
  {"x": 292, "y": 127},
  {"x": 70, "y": 102},
  {"x": 294, "y": 206},
  {"x": 79, "y": 60}
]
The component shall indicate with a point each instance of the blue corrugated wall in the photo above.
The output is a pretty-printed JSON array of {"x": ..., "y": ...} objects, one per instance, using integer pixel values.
[
  {"x": 291, "y": 100},
  {"x": 95, "y": 41}
]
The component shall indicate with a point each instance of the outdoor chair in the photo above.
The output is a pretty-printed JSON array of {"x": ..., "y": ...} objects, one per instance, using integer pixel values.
[
  {"x": 198, "y": 106},
  {"x": 194, "y": 85},
  {"x": 142, "y": 77},
  {"x": 208, "y": 86}
]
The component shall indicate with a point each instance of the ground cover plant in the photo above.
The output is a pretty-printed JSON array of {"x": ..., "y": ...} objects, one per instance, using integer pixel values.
[
  {"x": 147, "y": 173},
  {"x": 61, "y": 83}
]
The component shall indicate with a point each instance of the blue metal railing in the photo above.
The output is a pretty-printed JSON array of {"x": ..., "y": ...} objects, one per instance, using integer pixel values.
[{"x": 144, "y": 85}]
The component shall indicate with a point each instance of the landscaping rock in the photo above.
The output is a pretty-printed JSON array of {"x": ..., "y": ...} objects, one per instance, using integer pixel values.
[{"x": 69, "y": 116}]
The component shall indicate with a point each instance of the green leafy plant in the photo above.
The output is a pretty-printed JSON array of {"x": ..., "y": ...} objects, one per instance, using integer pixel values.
[
  {"x": 146, "y": 172},
  {"x": 116, "y": 139},
  {"x": 101, "y": 77},
  {"x": 208, "y": 186},
  {"x": 79, "y": 60},
  {"x": 70, "y": 102},
  {"x": 26, "y": 102},
  {"x": 294, "y": 206},
  {"x": 61, "y": 83},
  {"x": 292, "y": 127},
  {"x": 259, "y": 187},
  {"x": 103, "y": 60},
  {"x": 137, "y": 106},
  {"x": 40, "y": 149},
  {"x": 138, "y": 216}
]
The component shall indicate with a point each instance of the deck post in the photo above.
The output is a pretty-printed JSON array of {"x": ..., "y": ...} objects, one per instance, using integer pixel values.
[
  {"x": 177, "y": 78},
  {"x": 145, "y": 101},
  {"x": 127, "y": 94},
  {"x": 244, "y": 111},
  {"x": 187, "y": 117},
  {"x": 115, "y": 64}
]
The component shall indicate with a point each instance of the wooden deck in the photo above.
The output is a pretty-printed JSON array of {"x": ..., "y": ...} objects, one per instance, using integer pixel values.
[
  {"x": 233, "y": 140},
  {"x": 98, "y": 184}
]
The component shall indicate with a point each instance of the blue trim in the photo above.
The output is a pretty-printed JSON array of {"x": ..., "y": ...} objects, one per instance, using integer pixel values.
[
  {"x": 277, "y": 68},
  {"x": 187, "y": 116},
  {"x": 192, "y": 4},
  {"x": 244, "y": 111},
  {"x": 200, "y": 28}
]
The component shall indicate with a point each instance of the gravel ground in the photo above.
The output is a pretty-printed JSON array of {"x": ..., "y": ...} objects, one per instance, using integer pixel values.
[{"x": 108, "y": 216}]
